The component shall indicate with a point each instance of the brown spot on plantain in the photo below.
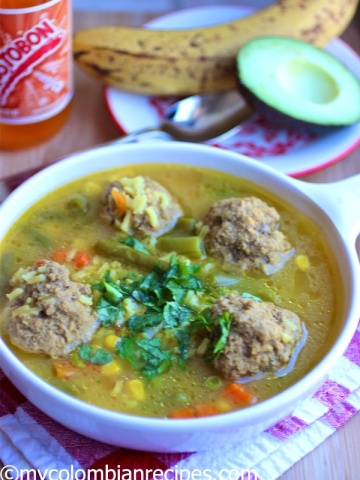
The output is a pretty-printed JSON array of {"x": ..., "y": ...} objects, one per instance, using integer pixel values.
[
  {"x": 80, "y": 53},
  {"x": 139, "y": 55},
  {"x": 311, "y": 34},
  {"x": 302, "y": 5},
  {"x": 104, "y": 72},
  {"x": 282, "y": 5},
  {"x": 335, "y": 18}
]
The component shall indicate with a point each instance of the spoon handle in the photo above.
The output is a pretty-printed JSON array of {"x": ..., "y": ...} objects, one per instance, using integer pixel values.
[{"x": 139, "y": 135}]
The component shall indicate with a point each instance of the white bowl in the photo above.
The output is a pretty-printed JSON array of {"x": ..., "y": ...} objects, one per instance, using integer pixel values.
[{"x": 332, "y": 207}]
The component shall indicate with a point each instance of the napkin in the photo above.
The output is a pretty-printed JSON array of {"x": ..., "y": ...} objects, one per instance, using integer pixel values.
[{"x": 32, "y": 442}]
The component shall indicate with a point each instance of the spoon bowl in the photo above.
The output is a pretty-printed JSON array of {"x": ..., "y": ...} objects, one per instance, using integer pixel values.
[
  {"x": 201, "y": 117},
  {"x": 198, "y": 118}
]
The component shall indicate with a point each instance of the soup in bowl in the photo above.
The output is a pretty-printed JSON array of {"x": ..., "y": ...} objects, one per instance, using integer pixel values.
[{"x": 169, "y": 296}]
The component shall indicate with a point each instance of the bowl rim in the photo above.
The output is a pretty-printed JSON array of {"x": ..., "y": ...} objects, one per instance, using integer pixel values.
[{"x": 246, "y": 416}]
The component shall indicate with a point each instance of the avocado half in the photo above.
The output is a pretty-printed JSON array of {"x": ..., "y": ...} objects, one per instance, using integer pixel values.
[{"x": 295, "y": 84}]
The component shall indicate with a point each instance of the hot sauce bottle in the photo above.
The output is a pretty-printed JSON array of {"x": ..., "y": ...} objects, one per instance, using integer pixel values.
[{"x": 35, "y": 70}]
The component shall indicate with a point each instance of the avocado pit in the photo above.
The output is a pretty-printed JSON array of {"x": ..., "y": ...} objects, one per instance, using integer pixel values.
[{"x": 307, "y": 81}]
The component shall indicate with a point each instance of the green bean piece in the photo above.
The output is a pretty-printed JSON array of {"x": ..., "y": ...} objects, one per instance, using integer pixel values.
[
  {"x": 189, "y": 246},
  {"x": 50, "y": 216},
  {"x": 127, "y": 254},
  {"x": 79, "y": 203},
  {"x": 213, "y": 383},
  {"x": 185, "y": 226},
  {"x": 76, "y": 360},
  {"x": 38, "y": 237},
  {"x": 5, "y": 263}
]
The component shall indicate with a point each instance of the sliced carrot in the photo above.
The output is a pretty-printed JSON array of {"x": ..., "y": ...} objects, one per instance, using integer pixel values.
[
  {"x": 206, "y": 410},
  {"x": 39, "y": 263},
  {"x": 120, "y": 201},
  {"x": 237, "y": 393},
  {"x": 63, "y": 369},
  {"x": 60, "y": 256},
  {"x": 82, "y": 259},
  {"x": 185, "y": 412}
]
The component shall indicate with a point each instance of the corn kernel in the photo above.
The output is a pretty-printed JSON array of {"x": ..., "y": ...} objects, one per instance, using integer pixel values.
[
  {"x": 136, "y": 388},
  {"x": 110, "y": 341},
  {"x": 111, "y": 368},
  {"x": 117, "y": 388},
  {"x": 302, "y": 262},
  {"x": 223, "y": 405}
]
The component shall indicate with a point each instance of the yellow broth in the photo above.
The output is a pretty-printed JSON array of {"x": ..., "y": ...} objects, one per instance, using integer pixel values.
[{"x": 50, "y": 225}]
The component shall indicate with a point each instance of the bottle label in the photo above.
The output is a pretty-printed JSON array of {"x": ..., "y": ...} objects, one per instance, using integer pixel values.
[{"x": 35, "y": 62}]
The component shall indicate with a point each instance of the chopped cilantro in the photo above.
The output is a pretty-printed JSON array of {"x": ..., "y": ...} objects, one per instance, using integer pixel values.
[
  {"x": 112, "y": 292},
  {"x": 162, "y": 292},
  {"x": 183, "y": 337},
  {"x": 145, "y": 355},
  {"x": 203, "y": 320},
  {"x": 213, "y": 325},
  {"x": 108, "y": 313},
  {"x": 100, "y": 357},
  {"x": 248, "y": 295},
  {"x": 176, "y": 290},
  {"x": 139, "y": 323},
  {"x": 109, "y": 307},
  {"x": 135, "y": 244},
  {"x": 224, "y": 322},
  {"x": 176, "y": 314}
]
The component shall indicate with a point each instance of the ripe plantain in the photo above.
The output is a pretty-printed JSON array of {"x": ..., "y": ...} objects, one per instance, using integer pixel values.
[{"x": 198, "y": 60}]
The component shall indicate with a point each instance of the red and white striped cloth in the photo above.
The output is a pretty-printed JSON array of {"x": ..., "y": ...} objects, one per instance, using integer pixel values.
[{"x": 29, "y": 440}]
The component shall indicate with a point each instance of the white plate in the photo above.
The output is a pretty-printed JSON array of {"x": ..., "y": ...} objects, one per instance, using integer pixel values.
[{"x": 289, "y": 151}]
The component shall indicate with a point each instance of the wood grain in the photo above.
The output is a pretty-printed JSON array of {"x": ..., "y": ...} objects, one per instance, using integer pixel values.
[{"x": 89, "y": 124}]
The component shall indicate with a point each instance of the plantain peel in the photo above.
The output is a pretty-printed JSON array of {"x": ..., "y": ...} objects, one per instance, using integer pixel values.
[{"x": 199, "y": 60}]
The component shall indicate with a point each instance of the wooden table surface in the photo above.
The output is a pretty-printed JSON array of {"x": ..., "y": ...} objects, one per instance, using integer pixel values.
[{"x": 89, "y": 124}]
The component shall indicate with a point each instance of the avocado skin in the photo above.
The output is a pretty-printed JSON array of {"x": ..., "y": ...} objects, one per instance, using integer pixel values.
[{"x": 279, "y": 119}]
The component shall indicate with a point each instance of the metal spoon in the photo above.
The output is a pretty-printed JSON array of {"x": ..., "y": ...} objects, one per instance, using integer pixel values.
[
  {"x": 193, "y": 119},
  {"x": 198, "y": 118}
]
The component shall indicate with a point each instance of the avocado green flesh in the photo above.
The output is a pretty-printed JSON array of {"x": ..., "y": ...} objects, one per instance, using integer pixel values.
[{"x": 293, "y": 83}]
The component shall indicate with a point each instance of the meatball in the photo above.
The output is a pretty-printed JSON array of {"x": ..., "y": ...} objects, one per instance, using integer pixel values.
[
  {"x": 47, "y": 312},
  {"x": 244, "y": 232},
  {"x": 262, "y": 337},
  {"x": 139, "y": 206}
]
